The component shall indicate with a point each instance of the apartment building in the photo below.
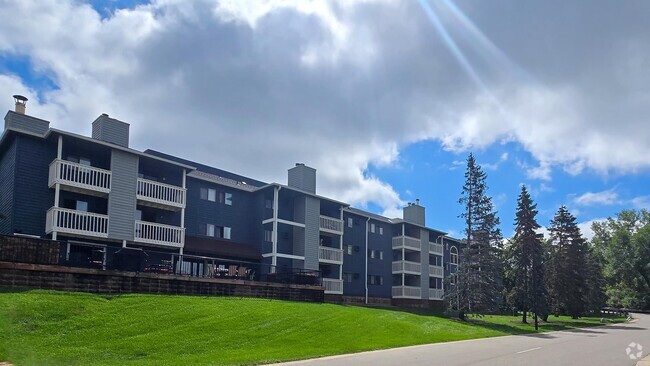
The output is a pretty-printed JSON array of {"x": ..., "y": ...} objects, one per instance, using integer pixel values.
[{"x": 98, "y": 191}]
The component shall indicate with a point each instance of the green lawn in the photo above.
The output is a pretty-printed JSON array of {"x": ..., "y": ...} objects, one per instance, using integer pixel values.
[{"x": 60, "y": 328}]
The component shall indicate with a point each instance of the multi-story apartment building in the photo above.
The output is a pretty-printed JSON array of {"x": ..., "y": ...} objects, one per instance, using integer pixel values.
[{"x": 98, "y": 191}]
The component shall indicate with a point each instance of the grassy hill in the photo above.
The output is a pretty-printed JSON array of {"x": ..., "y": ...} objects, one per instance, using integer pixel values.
[{"x": 47, "y": 327}]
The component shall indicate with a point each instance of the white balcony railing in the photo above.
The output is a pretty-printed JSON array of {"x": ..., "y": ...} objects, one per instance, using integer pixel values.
[
  {"x": 79, "y": 176},
  {"x": 406, "y": 242},
  {"x": 435, "y": 248},
  {"x": 407, "y": 292},
  {"x": 159, "y": 234},
  {"x": 436, "y": 294},
  {"x": 436, "y": 271},
  {"x": 407, "y": 267},
  {"x": 333, "y": 286},
  {"x": 63, "y": 220},
  {"x": 330, "y": 224},
  {"x": 160, "y": 193},
  {"x": 331, "y": 255}
]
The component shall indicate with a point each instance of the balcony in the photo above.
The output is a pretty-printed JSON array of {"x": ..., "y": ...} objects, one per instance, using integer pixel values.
[
  {"x": 435, "y": 249},
  {"x": 79, "y": 178},
  {"x": 159, "y": 234},
  {"x": 333, "y": 286},
  {"x": 406, "y": 242},
  {"x": 331, "y": 225},
  {"x": 436, "y": 294},
  {"x": 160, "y": 195},
  {"x": 63, "y": 220},
  {"x": 330, "y": 255},
  {"x": 436, "y": 271},
  {"x": 407, "y": 267},
  {"x": 406, "y": 292}
]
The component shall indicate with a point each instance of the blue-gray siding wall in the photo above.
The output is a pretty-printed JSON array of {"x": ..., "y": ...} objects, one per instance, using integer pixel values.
[
  {"x": 121, "y": 200},
  {"x": 380, "y": 267},
  {"x": 354, "y": 263},
  {"x": 111, "y": 130},
  {"x": 26, "y": 123},
  {"x": 242, "y": 216},
  {"x": 424, "y": 261},
  {"x": 7, "y": 176},
  {"x": 312, "y": 232},
  {"x": 32, "y": 197}
]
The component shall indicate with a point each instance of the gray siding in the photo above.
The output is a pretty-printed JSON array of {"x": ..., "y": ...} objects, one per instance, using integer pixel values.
[
  {"x": 26, "y": 123},
  {"x": 312, "y": 232},
  {"x": 7, "y": 179},
  {"x": 414, "y": 214},
  {"x": 111, "y": 130},
  {"x": 121, "y": 200},
  {"x": 303, "y": 178},
  {"x": 298, "y": 232},
  {"x": 424, "y": 261}
]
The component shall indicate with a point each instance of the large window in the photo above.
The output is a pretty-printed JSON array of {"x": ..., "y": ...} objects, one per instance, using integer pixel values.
[
  {"x": 372, "y": 227},
  {"x": 209, "y": 194},
  {"x": 453, "y": 254},
  {"x": 350, "y": 222},
  {"x": 268, "y": 235},
  {"x": 375, "y": 280}
]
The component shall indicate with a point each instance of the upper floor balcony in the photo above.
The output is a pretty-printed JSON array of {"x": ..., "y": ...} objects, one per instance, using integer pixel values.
[
  {"x": 435, "y": 248},
  {"x": 159, "y": 234},
  {"x": 330, "y": 255},
  {"x": 80, "y": 223},
  {"x": 406, "y": 242},
  {"x": 406, "y": 267},
  {"x": 331, "y": 225},
  {"x": 406, "y": 292},
  {"x": 160, "y": 195},
  {"x": 79, "y": 177},
  {"x": 436, "y": 271}
]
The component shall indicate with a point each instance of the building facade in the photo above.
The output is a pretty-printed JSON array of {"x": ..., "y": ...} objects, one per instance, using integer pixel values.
[{"x": 98, "y": 191}]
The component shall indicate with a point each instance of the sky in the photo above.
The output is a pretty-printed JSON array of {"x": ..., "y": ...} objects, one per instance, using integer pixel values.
[{"x": 384, "y": 98}]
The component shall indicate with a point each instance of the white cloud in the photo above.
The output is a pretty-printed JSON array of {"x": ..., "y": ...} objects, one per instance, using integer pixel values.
[
  {"x": 641, "y": 202},
  {"x": 609, "y": 197}
]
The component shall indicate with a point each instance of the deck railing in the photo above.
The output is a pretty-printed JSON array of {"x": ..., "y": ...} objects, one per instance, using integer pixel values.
[
  {"x": 435, "y": 248},
  {"x": 63, "y": 220},
  {"x": 79, "y": 176},
  {"x": 159, "y": 234},
  {"x": 333, "y": 286},
  {"x": 436, "y": 271},
  {"x": 406, "y": 242},
  {"x": 406, "y": 266},
  {"x": 161, "y": 193},
  {"x": 331, "y": 224},
  {"x": 436, "y": 294},
  {"x": 330, "y": 254},
  {"x": 409, "y": 292}
]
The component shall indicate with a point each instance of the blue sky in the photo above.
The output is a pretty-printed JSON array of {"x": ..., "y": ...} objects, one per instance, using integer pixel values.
[{"x": 385, "y": 98}]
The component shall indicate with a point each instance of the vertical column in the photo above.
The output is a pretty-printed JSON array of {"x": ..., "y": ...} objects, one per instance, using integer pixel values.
[
  {"x": 183, "y": 211},
  {"x": 57, "y": 186},
  {"x": 424, "y": 262},
  {"x": 274, "y": 237},
  {"x": 403, "y": 275}
]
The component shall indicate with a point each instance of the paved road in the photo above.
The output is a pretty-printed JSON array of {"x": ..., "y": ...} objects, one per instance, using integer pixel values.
[{"x": 599, "y": 346}]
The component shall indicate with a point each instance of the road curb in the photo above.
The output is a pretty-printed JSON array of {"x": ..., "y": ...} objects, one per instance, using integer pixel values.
[{"x": 644, "y": 362}]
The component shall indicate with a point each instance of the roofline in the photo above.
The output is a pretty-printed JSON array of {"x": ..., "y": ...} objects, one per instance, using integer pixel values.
[
  {"x": 392, "y": 221},
  {"x": 301, "y": 191},
  {"x": 118, "y": 147}
]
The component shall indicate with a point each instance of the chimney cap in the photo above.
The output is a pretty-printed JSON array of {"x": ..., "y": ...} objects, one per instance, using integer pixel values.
[
  {"x": 105, "y": 114},
  {"x": 19, "y": 98},
  {"x": 417, "y": 201},
  {"x": 300, "y": 164}
]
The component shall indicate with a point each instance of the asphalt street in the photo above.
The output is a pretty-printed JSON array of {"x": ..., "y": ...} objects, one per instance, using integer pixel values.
[{"x": 598, "y": 346}]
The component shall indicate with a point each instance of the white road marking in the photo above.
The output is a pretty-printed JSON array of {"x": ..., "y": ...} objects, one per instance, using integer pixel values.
[{"x": 528, "y": 350}]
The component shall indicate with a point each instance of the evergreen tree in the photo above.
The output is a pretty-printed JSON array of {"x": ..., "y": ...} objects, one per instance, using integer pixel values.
[
  {"x": 480, "y": 271},
  {"x": 567, "y": 285},
  {"x": 525, "y": 260}
]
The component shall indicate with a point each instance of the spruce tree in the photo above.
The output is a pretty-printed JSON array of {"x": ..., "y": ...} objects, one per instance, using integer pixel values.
[
  {"x": 567, "y": 285},
  {"x": 479, "y": 282}
]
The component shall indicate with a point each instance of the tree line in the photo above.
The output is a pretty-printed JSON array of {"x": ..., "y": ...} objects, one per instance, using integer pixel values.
[{"x": 564, "y": 274}]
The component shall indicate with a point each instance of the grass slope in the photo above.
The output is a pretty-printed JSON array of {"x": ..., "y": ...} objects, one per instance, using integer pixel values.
[{"x": 59, "y": 328}]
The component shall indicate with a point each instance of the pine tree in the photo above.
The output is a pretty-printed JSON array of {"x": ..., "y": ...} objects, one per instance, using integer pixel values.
[
  {"x": 567, "y": 285},
  {"x": 480, "y": 272},
  {"x": 525, "y": 260}
]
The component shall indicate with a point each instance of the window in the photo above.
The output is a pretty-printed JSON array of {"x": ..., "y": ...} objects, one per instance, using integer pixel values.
[
  {"x": 269, "y": 204},
  {"x": 348, "y": 249},
  {"x": 375, "y": 280},
  {"x": 347, "y": 277},
  {"x": 452, "y": 279},
  {"x": 381, "y": 255},
  {"x": 226, "y": 232},
  {"x": 209, "y": 194},
  {"x": 372, "y": 228},
  {"x": 228, "y": 200},
  {"x": 138, "y": 215},
  {"x": 268, "y": 235},
  {"x": 84, "y": 161},
  {"x": 381, "y": 231},
  {"x": 209, "y": 230},
  {"x": 82, "y": 206},
  {"x": 375, "y": 254},
  {"x": 453, "y": 254},
  {"x": 350, "y": 222}
]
